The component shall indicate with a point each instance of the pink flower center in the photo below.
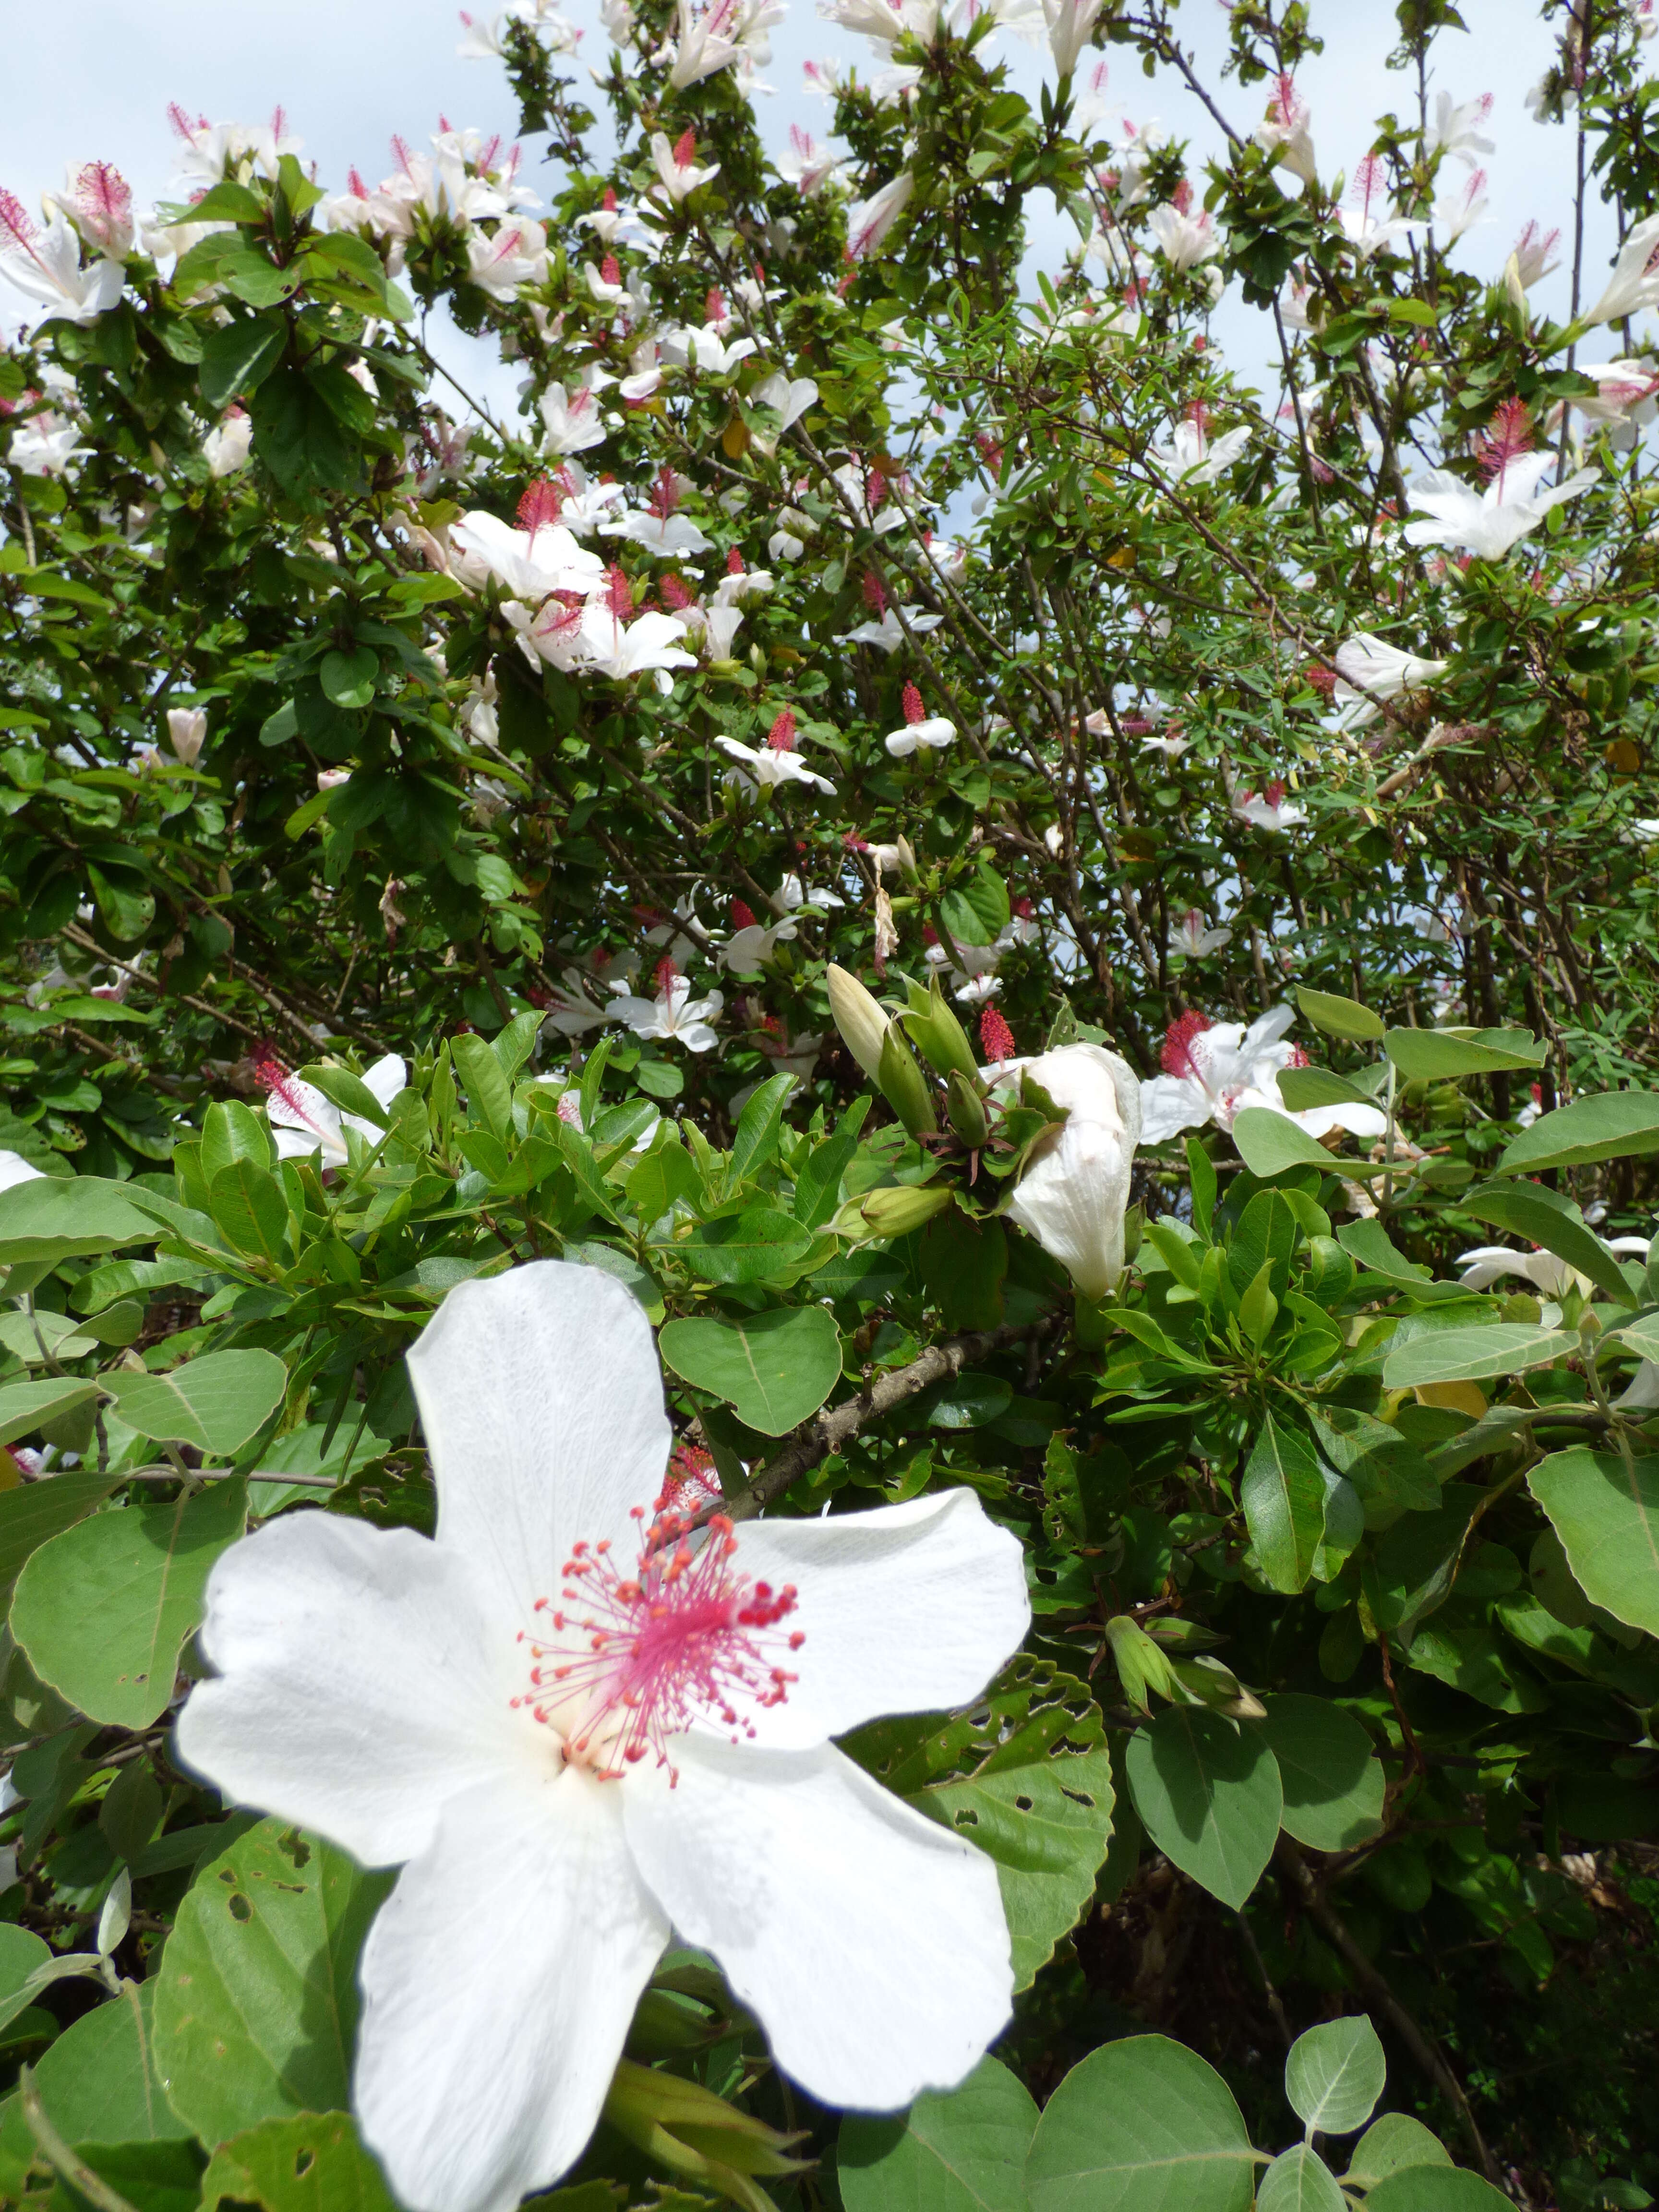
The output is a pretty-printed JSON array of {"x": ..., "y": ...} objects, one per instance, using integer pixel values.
[
  {"x": 540, "y": 504},
  {"x": 781, "y": 735},
  {"x": 996, "y": 1035},
  {"x": 626, "y": 1662},
  {"x": 1178, "y": 1056},
  {"x": 610, "y": 270},
  {"x": 913, "y": 706},
  {"x": 685, "y": 149}
]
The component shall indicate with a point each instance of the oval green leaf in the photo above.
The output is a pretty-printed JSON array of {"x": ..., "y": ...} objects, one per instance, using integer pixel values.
[
  {"x": 218, "y": 1402},
  {"x": 1339, "y": 1017},
  {"x": 1334, "y": 2075},
  {"x": 1298, "y": 2180},
  {"x": 963, "y": 2152},
  {"x": 1209, "y": 1793},
  {"x": 1436, "y": 2188},
  {"x": 61, "y": 1217},
  {"x": 1141, "y": 2125},
  {"x": 257, "y": 2002},
  {"x": 1440, "y": 1055},
  {"x": 1475, "y": 1355},
  {"x": 102, "y": 1611},
  {"x": 1614, "y": 1124},
  {"x": 1607, "y": 1515},
  {"x": 1332, "y": 1779},
  {"x": 773, "y": 1369},
  {"x": 1389, "y": 2145},
  {"x": 1268, "y": 1143}
]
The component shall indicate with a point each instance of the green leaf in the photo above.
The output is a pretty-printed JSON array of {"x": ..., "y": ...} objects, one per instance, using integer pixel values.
[
  {"x": 1268, "y": 1143},
  {"x": 1298, "y": 2180},
  {"x": 218, "y": 1402},
  {"x": 759, "y": 1242},
  {"x": 60, "y": 1217},
  {"x": 1475, "y": 1355},
  {"x": 961, "y": 2152},
  {"x": 125, "y": 913},
  {"x": 298, "y": 437},
  {"x": 1546, "y": 1217},
  {"x": 1436, "y": 2188},
  {"x": 102, "y": 1611},
  {"x": 1334, "y": 2075},
  {"x": 150, "y": 2176},
  {"x": 226, "y": 202},
  {"x": 1390, "y": 2144},
  {"x": 489, "y": 1094},
  {"x": 1141, "y": 2125},
  {"x": 1283, "y": 1493},
  {"x": 256, "y": 2007},
  {"x": 1301, "y": 1088},
  {"x": 250, "y": 1211},
  {"x": 665, "y": 1176},
  {"x": 348, "y": 678},
  {"x": 99, "y": 2081},
  {"x": 773, "y": 1369},
  {"x": 21, "y": 1951},
  {"x": 1438, "y": 1056},
  {"x": 31, "y": 1517},
  {"x": 346, "y": 1090},
  {"x": 313, "y": 2163},
  {"x": 230, "y": 1131},
  {"x": 1607, "y": 1515},
  {"x": 756, "y": 1138},
  {"x": 1338, "y": 1017},
  {"x": 240, "y": 356},
  {"x": 1332, "y": 1780},
  {"x": 1209, "y": 1793},
  {"x": 1614, "y": 1124},
  {"x": 25, "y": 1406}
]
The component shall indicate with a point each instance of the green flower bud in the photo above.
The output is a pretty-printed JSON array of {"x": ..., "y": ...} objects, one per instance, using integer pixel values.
[
  {"x": 1142, "y": 1668},
  {"x": 904, "y": 1086},
  {"x": 860, "y": 1019},
  {"x": 680, "y": 2125},
  {"x": 939, "y": 1035},
  {"x": 894, "y": 1210},
  {"x": 966, "y": 1109}
]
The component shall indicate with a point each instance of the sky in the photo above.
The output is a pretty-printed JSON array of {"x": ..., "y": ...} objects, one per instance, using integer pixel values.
[{"x": 95, "y": 79}]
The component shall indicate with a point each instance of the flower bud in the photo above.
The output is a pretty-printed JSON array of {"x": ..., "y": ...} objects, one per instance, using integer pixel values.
[
  {"x": 966, "y": 1109},
  {"x": 860, "y": 1017},
  {"x": 187, "y": 727},
  {"x": 680, "y": 2125},
  {"x": 904, "y": 1086},
  {"x": 939, "y": 1035},
  {"x": 1207, "y": 1682},
  {"x": 894, "y": 1210},
  {"x": 907, "y": 860},
  {"x": 1142, "y": 1668}
]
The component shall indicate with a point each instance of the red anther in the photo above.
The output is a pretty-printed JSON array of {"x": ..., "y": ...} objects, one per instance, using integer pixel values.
[
  {"x": 996, "y": 1038},
  {"x": 734, "y": 563},
  {"x": 714, "y": 307},
  {"x": 913, "y": 709},
  {"x": 675, "y": 597},
  {"x": 667, "y": 975},
  {"x": 619, "y": 594},
  {"x": 539, "y": 505},
  {"x": 781, "y": 735},
  {"x": 609, "y": 202},
  {"x": 743, "y": 915},
  {"x": 610, "y": 270},
  {"x": 1176, "y": 1057},
  {"x": 875, "y": 596},
  {"x": 685, "y": 149}
]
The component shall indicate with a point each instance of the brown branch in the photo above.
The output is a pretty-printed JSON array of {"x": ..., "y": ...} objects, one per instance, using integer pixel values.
[
  {"x": 1381, "y": 1999},
  {"x": 831, "y": 1430}
]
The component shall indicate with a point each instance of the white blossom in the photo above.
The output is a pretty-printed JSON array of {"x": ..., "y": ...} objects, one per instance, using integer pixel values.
[
  {"x": 1213, "y": 1070},
  {"x": 1074, "y": 1192},
  {"x": 303, "y": 1121}
]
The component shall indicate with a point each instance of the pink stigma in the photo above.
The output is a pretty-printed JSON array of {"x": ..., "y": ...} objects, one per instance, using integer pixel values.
[
  {"x": 874, "y": 597},
  {"x": 610, "y": 270},
  {"x": 609, "y": 202},
  {"x": 1178, "y": 1056},
  {"x": 619, "y": 594},
  {"x": 539, "y": 505},
  {"x": 714, "y": 307},
  {"x": 743, "y": 915},
  {"x": 628, "y": 1661},
  {"x": 996, "y": 1038},
  {"x": 781, "y": 735},
  {"x": 675, "y": 597},
  {"x": 685, "y": 149},
  {"x": 913, "y": 709},
  {"x": 668, "y": 976},
  {"x": 734, "y": 563}
]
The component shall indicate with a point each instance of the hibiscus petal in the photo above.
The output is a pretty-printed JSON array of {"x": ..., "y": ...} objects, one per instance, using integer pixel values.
[
  {"x": 541, "y": 1400},
  {"x": 909, "y": 1609},
  {"x": 356, "y": 1682},
  {"x": 498, "y": 1981},
  {"x": 870, "y": 1940},
  {"x": 386, "y": 1078},
  {"x": 1170, "y": 1103}
]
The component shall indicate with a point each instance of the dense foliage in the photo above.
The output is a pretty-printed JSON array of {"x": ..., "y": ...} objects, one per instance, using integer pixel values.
[{"x": 1029, "y": 900}]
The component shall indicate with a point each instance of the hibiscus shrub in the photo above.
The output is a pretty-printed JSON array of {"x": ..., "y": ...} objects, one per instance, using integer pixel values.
[{"x": 829, "y": 1365}]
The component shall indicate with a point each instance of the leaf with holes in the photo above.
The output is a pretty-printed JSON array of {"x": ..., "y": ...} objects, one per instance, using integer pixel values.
[
  {"x": 773, "y": 1369},
  {"x": 102, "y": 1611},
  {"x": 964, "y": 2151},
  {"x": 256, "y": 2006},
  {"x": 1025, "y": 1775},
  {"x": 314, "y": 2163}
]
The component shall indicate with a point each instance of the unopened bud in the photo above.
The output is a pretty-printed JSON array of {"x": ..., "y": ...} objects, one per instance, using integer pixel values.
[
  {"x": 966, "y": 1109},
  {"x": 904, "y": 1086},
  {"x": 907, "y": 860},
  {"x": 680, "y": 2125},
  {"x": 1142, "y": 1668},
  {"x": 1512, "y": 284},
  {"x": 860, "y": 1019},
  {"x": 1218, "y": 1686},
  {"x": 894, "y": 1210},
  {"x": 938, "y": 1033}
]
